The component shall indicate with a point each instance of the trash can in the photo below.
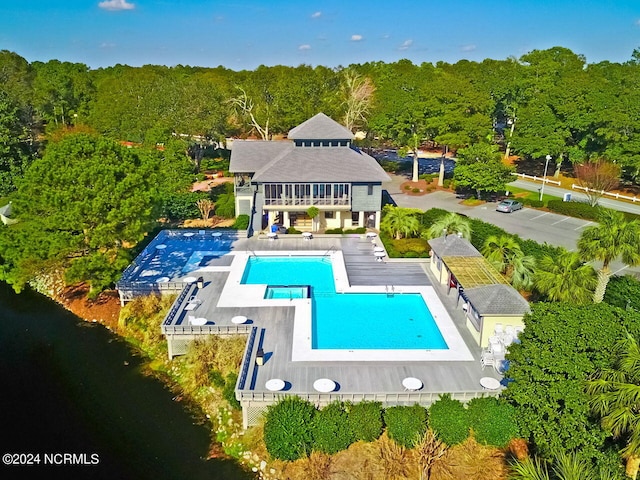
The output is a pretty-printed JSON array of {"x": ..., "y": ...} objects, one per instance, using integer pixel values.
[
  {"x": 260, "y": 357},
  {"x": 566, "y": 197},
  {"x": 274, "y": 229}
]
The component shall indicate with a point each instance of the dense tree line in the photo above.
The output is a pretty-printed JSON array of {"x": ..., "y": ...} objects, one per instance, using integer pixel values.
[{"x": 547, "y": 102}]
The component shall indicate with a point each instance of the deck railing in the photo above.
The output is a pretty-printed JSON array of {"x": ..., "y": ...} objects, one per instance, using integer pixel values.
[{"x": 248, "y": 358}]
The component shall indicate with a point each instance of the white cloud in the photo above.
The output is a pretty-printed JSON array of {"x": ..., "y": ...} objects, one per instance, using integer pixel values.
[
  {"x": 405, "y": 45},
  {"x": 468, "y": 48},
  {"x": 116, "y": 5},
  {"x": 356, "y": 38},
  {"x": 316, "y": 15},
  {"x": 304, "y": 47}
]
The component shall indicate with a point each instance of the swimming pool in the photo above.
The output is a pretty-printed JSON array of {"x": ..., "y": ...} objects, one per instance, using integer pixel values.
[{"x": 351, "y": 321}]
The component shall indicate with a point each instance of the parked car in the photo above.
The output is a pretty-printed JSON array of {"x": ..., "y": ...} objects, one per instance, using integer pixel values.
[{"x": 508, "y": 206}]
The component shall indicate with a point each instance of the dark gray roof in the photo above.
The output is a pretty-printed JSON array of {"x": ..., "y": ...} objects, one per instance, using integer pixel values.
[
  {"x": 453, "y": 246},
  {"x": 281, "y": 161},
  {"x": 497, "y": 300},
  {"x": 252, "y": 155},
  {"x": 320, "y": 127}
]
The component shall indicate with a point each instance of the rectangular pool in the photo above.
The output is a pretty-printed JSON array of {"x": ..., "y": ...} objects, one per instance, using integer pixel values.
[{"x": 350, "y": 321}]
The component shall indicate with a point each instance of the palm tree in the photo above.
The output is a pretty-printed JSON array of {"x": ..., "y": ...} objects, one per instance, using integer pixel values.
[
  {"x": 399, "y": 222},
  {"x": 566, "y": 466},
  {"x": 614, "y": 397},
  {"x": 565, "y": 278},
  {"x": 505, "y": 254},
  {"x": 453, "y": 223},
  {"x": 613, "y": 237}
]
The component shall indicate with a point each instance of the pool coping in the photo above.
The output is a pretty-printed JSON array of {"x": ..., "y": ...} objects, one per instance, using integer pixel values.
[{"x": 236, "y": 294}]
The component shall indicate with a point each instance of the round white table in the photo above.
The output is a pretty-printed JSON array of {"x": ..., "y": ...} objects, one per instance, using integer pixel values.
[
  {"x": 372, "y": 234},
  {"x": 239, "y": 319},
  {"x": 379, "y": 255},
  {"x": 216, "y": 234},
  {"x": 490, "y": 383},
  {"x": 198, "y": 321},
  {"x": 274, "y": 385},
  {"x": 189, "y": 234},
  {"x": 378, "y": 249},
  {"x": 161, "y": 246},
  {"x": 324, "y": 385},
  {"x": 307, "y": 235},
  {"x": 412, "y": 383},
  {"x": 189, "y": 279},
  {"x": 163, "y": 279},
  {"x": 272, "y": 235}
]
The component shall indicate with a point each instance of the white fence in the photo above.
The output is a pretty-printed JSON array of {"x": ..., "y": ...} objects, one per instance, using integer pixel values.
[
  {"x": 536, "y": 179},
  {"x": 603, "y": 193}
]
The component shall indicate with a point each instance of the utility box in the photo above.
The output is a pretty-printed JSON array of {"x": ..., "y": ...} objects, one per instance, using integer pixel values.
[{"x": 566, "y": 197}]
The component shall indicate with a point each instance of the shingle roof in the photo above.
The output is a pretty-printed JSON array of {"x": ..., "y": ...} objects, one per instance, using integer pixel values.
[
  {"x": 497, "y": 300},
  {"x": 453, "y": 246},
  {"x": 320, "y": 127},
  {"x": 322, "y": 164},
  {"x": 252, "y": 155}
]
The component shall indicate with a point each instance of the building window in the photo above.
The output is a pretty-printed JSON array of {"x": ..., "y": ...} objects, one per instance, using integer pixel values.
[
  {"x": 370, "y": 189},
  {"x": 328, "y": 214},
  {"x": 355, "y": 217}
]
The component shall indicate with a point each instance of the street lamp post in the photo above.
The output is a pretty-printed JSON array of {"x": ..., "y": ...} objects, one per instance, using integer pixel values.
[{"x": 546, "y": 164}]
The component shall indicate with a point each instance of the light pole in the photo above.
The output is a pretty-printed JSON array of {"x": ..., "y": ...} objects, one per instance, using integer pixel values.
[{"x": 546, "y": 164}]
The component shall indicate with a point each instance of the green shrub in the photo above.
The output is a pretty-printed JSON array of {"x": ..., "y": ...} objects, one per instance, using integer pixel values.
[
  {"x": 356, "y": 230},
  {"x": 407, "y": 187},
  {"x": 331, "y": 429},
  {"x": 365, "y": 419},
  {"x": 226, "y": 205},
  {"x": 229, "y": 391},
  {"x": 493, "y": 421},
  {"x": 216, "y": 378},
  {"x": 574, "y": 209},
  {"x": 531, "y": 202},
  {"x": 480, "y": 231},
  {"x": 415, "y": 190},
  {"x": 405, "y": 245},
  {"x": 428, "y": 176},
  {"x": 405, "y": 424},
  {"x": 182, "y": 206},
  {"x": 623, "y": 292},
  {"x": 242, "y": 222},
  {"x": 449, "y": 419},
  {"x": 333, "y": 230},
  {"x": 288, "y": 428},
  {"x": 446, "y": 183},
  {"x": 411, "y": 254},
  {"x": 293, "y": 230}
]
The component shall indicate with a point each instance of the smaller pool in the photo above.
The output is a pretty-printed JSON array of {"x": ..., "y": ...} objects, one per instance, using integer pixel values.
[{"x": 287, "y": 291}]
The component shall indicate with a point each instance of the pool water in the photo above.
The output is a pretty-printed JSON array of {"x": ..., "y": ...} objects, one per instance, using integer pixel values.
[
  {"x": 350, "y": 321},
  {"x": 277, "y": 291}
]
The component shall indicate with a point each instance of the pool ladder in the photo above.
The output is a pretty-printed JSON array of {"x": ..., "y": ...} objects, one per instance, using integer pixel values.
[{"x": 390, "y": 290}]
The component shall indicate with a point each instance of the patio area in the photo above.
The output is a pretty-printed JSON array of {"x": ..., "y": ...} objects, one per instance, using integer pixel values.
[{"x": 268, "y": 371}]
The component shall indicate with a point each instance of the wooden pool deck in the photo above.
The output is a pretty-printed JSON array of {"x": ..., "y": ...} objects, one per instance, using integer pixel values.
[{"x": 271, "y": 329}]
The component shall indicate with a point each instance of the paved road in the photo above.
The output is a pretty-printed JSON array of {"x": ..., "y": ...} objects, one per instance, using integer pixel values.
[
  {"x": 578, "y": 195},
  {"x": 528, "y": 223}
]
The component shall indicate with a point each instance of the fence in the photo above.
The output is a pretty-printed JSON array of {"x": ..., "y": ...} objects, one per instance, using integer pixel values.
[
  {"x": 535, "y": 178},
  {"x": 617, "y": 196}
]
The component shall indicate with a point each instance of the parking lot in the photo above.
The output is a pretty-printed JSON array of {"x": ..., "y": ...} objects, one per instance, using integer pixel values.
[{"x": 528, "y": 223}]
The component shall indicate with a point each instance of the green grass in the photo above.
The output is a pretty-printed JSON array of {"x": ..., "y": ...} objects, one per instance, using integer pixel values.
[{"x": 531, "y": 195}]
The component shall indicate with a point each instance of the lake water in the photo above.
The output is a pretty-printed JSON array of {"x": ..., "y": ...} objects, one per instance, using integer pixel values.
[{"x": 65, "y": 388}]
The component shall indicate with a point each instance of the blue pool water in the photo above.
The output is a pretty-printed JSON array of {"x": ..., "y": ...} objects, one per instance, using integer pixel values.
[
  {"x": 350, "y": 321},
  {"x": 287, "y": 292}
]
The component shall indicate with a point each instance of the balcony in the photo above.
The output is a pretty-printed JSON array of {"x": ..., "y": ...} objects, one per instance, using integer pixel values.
[{"x": 343, "y": 202}]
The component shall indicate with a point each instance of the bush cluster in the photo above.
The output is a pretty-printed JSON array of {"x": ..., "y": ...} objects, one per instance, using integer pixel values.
[
  {"x": 294, "y": 427},
  {"x": 623, "y": 292},
  {"x": 242, "y": 222},
  {"x": 574, "y": 209},
  {"x": 531, "y": 202},
  {"x": 347, "y": 231},
  {"x": 182, "y": 206}
]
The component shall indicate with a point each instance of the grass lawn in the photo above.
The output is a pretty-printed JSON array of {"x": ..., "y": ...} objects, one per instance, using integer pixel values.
[{"x": 520, "y": 193}]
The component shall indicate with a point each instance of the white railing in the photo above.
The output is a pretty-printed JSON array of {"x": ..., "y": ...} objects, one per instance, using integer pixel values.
[
  {"x": 535, "y": 178},
  {"x": 603, "y": 193}
]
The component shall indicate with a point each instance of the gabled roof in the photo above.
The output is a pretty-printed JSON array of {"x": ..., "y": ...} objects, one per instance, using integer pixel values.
[
  {"x": 453, "y": 246},
  {"x": 497, "y": 300},
  {"x": 320, "y": 127},
  {"x": 249, "y": 156}
]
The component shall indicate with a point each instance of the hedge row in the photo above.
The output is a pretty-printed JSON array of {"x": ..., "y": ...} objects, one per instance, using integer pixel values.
[{"x": 294, "y": 427}]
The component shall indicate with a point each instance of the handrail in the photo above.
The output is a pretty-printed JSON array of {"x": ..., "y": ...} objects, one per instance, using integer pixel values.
[
  {"x": 244, "y": 371},
  {"x": 332, "y": 248}
]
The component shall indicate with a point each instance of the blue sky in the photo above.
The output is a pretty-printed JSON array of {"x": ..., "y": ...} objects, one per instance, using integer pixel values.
[{"x": 244, "y": 34}]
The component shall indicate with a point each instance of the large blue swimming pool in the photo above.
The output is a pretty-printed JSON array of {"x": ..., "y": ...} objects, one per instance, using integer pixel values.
[{"x": 350, "y": 321}]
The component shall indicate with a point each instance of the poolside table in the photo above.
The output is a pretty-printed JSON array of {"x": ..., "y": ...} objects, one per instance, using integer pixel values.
[
  {"x": 324, "y": 385},
  {"x": 189, "y": 234},
  {"x": 307, "y": 235},
  {"x": 161, "y": 246},
  {"x": 238, "y": 319},
  {"x": 189, "y": 279},
  {"x": 198, "y": 321},
  {"x": 216, "y": 234},
  {"x": 378, "y": 249},
  {"x": 490, "y": 383},
  {"x": 274, "y": 385},
  {"x": 372, "y": 234},
  {"x": 412, "y": 383},
  {"x": 272, "y": 235},
  {"x": 379, "y": 255}
]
